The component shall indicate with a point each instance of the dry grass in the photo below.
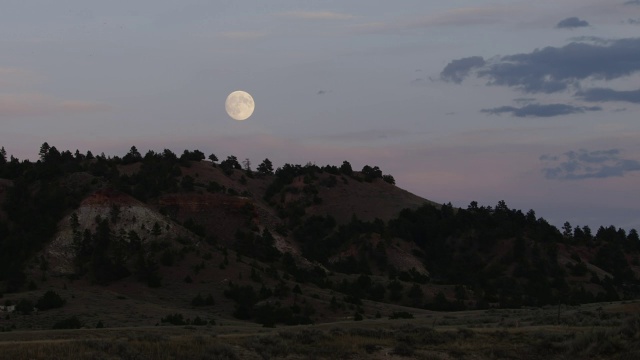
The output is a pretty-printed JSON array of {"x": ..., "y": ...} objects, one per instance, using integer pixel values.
[{"x": 465, "y": 335}]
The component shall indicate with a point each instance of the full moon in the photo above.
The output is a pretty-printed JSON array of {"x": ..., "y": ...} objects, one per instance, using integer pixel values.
[{"x": 239, "y": 105}]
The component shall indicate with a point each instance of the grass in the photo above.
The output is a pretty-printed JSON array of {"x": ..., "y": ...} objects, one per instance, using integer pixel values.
[{"x": 586, "y": 334}]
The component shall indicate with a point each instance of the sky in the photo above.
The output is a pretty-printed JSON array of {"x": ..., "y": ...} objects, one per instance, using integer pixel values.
[{"x": 534, "y": 103}]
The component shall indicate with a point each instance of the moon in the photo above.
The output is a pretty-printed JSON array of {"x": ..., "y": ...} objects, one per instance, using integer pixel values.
[{"x": 239, "y": 105}]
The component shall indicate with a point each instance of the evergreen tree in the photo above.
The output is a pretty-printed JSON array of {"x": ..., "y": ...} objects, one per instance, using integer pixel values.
[
  {"x": 345, "y": 168},
  {"x": 214, "y": 159},
  {"x": 3, "y": 156},
  {"x": 266, "y": 167},
  {"x": 44, "y": 150}
]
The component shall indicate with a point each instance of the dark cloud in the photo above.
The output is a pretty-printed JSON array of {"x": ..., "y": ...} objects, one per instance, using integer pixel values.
[
  {"x": 524, "y": 100},
  {"x": 553, "y": 69},
  {"x": 571, "y": 23},
  {"x": 632, "y": 2},
  {"x": 541, "y": 110},
  {"x": 633, "y": 21},
  {"x": 457, "y": 70},
  {"x": 604, "y": 94},
  {"x": 583, "y": 164}
]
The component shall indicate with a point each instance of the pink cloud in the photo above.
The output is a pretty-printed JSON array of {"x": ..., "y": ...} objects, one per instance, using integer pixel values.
[{"x": 35, "y": 104}]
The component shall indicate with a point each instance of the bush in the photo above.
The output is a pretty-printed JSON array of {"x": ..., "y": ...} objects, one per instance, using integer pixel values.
[
  {"x": 401, "y": 315},
  {"x": 174, "y": 319},
  {"x": 24, "y": 307},
  {"x": 201, "y": 301},
  {"x": 69, "y": 323},
  {"x": 50, "y": 300},
  {"x": 197, "y": 301},
  {"x": 199, "y": 322}
]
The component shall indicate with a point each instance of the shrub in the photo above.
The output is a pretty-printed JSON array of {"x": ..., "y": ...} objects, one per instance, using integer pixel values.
[
  {"x": 401, "y": 315},
  {"x": 198, "y": 300},
  {"x": 68, "y": 323},
  {"x": 174, "y": 319},
  {"x": 50, "y": 300},
  {"x": 199, "y": 322},
  {"x": 24, "y": 307}
]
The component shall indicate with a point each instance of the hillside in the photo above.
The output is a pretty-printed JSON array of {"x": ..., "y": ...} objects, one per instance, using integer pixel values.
[{"x": 129, "y": 241}]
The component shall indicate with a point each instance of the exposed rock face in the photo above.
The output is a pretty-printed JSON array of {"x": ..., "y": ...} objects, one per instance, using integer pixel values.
[
  {"x": 219, "y": 215},
  {"x": 125, "y": 214}
]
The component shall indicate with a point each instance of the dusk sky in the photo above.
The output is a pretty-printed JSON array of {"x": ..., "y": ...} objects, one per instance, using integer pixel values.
[{"x": 533, "y": 102}]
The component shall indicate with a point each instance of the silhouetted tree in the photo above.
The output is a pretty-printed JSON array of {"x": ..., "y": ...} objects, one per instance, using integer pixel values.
[
  {"x": 214, "y": 159},
  {"x": 389, "y": 179},
  {"x": 169, "y": 155},
  {"x": 371, "y": 173},
  {"x": 44, "y": 150},
  {"x": 230, "y": 164},
  {"x": 3, "y": 156},
  {"x": 246, "y": 164},
  {"x": 195, "y": 155},
  {"x": 132, "y": 156},
  {"x": 345, "y": 168},
  {"x": 567, "y": 230},
  {"x": 50, "y": 300},
  {"x": 265, "y": 167}
]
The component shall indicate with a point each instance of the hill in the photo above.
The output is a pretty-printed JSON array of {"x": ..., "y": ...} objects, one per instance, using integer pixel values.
[{"x": 138, "y": 240}]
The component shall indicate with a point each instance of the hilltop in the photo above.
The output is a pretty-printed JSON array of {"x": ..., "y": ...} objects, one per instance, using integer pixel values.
[{"x": 138, "y": 240}]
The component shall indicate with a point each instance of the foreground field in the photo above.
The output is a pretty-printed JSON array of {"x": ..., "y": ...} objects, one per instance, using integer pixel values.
[{"x": 595, "y": 331}]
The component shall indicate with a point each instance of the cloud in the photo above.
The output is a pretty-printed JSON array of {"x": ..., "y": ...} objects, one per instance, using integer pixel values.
[
  {"x": 604, "y": 94},
  {"x": 317, "y": 15},
  {"x": 633, "y": 21},
  {"x": 457, "y": 70},
  {"x": 583, "y": 164},
  {"x": 466, "y": 16},
  {"x": 571, "y": 23},
  {"x": 19, "y": 105},
  {"x": 554, "y": 69},
  {"x": 632, "y": 2},
  {"x": 541, "y": 110},
  {"x": 524, "y": 100}
]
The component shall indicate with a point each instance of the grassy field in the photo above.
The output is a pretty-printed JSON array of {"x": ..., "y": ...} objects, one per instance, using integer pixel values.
[{"x": 595, "y": 331}]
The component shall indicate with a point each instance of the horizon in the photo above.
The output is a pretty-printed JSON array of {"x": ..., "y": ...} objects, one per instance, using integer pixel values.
[
  {"x": 253, "y": 166},
  {"x": 449, "y": 98}
]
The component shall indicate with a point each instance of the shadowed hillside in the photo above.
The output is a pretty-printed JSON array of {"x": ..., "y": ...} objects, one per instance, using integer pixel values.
[{"x": 164, "y": 234}]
